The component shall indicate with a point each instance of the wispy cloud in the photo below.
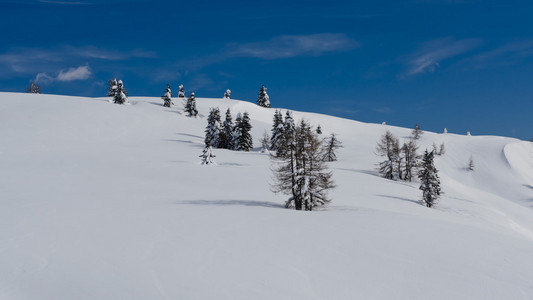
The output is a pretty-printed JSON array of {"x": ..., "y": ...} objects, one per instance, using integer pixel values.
[
  {"x": 33, "y": 60},
  {"x": 512, "y": 53},
  {"x": 293, "y": 45},
  {"x": 79, "y": 73},
  {"x": 430, "y": 55}
]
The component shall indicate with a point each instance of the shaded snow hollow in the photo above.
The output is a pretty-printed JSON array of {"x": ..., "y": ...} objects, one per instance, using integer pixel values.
[{"x": 106, "y": 201}]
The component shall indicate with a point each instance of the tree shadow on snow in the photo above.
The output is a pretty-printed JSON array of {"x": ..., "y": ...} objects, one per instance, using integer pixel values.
[
  {"x": 194, "y": 144},
  {"x": 368, "y": 172},
  {"x": 231, "y": 203},
  {"x": 399, "y": 198},
  {"x": 192, "y": 135}
]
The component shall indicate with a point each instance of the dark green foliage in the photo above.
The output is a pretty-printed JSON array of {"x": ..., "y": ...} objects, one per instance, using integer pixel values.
[
  {"x": 190, "y": 106},
  {"x": 225, "y": 138},
  {"x": 242, "y": 139},
  {"x": 263, "y": 99},
  {"x": 430, "y": 183}
]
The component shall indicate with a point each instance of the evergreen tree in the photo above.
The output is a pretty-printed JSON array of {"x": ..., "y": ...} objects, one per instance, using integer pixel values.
[
  {"x": 319, "y": 129},
  {"x": 265, "y": 142},
  {"x": 190, "y": 106},
  {"x": 417, "y": 132},
  {"x": 277, "y": 130},
  {"x": 442, "y": 149},
  {"x": 430, "y": 183},
  {"x": 227, "y": 94},
  {"x": 112, "y": 85},
  {"x": 263, "y": 99},
  {"x": 212, "y": 131},
  {"x": 302, "y": 173},
  {"x": 181, "y": 93},
  {"x": 33, "y": 88},
  {"x": 242, "y": 139},
  {"x": 388, "y": 147},
  {"x": 207, "y": 156},
  {"x": 288, "y": 135},
  {"x": 225, "y": 138},
  {"x": 121, "y": 96},
  {"x": 167, "y": 97},
  {"x": 331, "y": 147},
  {"x": 410, "y": 159},
  {"x": 471, "y": 164}
]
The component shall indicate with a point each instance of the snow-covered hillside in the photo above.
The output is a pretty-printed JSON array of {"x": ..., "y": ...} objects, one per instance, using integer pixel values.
[{"x": 106, "y": 201}]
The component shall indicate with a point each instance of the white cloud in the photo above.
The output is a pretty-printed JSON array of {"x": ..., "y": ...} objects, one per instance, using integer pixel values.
[
  {"x": 430, "y": 55},
  {"x": 79, "y": 73},
  {"x": 294, "y": 45}
]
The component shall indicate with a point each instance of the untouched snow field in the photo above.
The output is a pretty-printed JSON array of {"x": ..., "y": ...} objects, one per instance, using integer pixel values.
[{"x": 103, "y": 201}]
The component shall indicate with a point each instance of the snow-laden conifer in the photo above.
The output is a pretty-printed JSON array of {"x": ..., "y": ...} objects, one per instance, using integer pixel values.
[
  {"x": 277, "y": 130},
  {"x": 301, "y": 173},
  {"x": 319, "y": 129},
  {"x": 207, "y": 156},
  {"x": 227, "y": 94},
  {"x": 190, "y": 106},
  {"x": 417, "y": 132},
  {"x": 429, "y": 180},
  {"x": 225, "y": 138},
  {"x": 33, "y": 88},
  {"x": 288, "y": 135},
  {"x": 167, "y": 97},
  {"x": 330, "y": 147},
  {"x": 181, "y": 93},
  {"x": 263, "y": 99},
  {"x": 470, "y": 166},
  {"x": 212, "y": 131},
  {"x": 242, "y": 139},
  {"x": 112, "y": 87},
  {"x": 121, "y": 96},
  {"x": 265, "y": 142}
]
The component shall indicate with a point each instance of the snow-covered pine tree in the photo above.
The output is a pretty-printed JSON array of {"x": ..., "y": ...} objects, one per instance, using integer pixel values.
[
  {"x": 190, "y": 106},
  {"x": 302, "y": 173},
  {"x": 212, "y": 131},
  {"x": 430, "y": 182},
  {"x": 33, "y": 88},
  {"x": 181, "y": 93},
  {"x": 410, "y": 158},
  {"x": 331, "y": 146},
  {"x": 288, "y": 135},
  {"x": 167, "y": 97},
  {"x": 471, "y": 165},
  {"x": 386, "y": 147},
  {"x": 263, "y": 99},
  {"x": 265, "y": 142},
  {"x": 277, "y": 130},
  {"x": 445, "y": 131},
  {"x": 112, "y": 87},
  {"x": 225, "y": 138},
  {"x": 227, "y": 94},
  {"x": 417, "y": 132},
  {"x": 242, "y": 139},
  {"x": 207, "y": 156},
  {"x": 121, "y": 96},
  {"x": 319, "y": 129}
]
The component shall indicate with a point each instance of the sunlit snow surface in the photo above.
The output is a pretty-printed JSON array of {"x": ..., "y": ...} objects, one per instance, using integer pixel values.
[{"x": 106, "y": 201}]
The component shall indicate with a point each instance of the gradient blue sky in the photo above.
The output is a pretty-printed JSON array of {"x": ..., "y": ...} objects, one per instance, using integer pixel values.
[{"x": 463, "y": 65}]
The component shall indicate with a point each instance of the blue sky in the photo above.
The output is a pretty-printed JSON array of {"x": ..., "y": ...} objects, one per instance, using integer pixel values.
[{"x": 463, "y": 65}]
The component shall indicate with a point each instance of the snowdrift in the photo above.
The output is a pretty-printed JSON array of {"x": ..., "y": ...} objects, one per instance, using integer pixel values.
[{"x": 106, "y": 201}]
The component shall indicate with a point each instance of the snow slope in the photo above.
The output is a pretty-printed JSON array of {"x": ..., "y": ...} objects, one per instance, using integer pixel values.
[{"x": 103, "y": 201}]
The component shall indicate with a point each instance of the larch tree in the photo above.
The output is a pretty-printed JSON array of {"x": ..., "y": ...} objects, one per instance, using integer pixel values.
[
  {"x": 330, "y": 148},
  {"x": 410, "y": 159},
  {"x": 387, "y": 147},
  {"x": 416, "y": 133},
  {"x": 301, "y": 173}
]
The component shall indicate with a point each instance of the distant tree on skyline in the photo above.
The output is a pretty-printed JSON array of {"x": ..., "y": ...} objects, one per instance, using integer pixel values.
[
  {"x": 263, "y": 99},
  {"x": 33, "y": 88}
]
